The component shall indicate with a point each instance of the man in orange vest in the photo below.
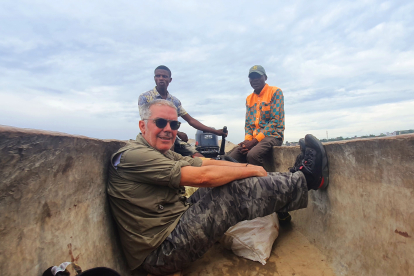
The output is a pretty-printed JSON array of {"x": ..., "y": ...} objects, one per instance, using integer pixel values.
[{"x": 265, "y": 120}]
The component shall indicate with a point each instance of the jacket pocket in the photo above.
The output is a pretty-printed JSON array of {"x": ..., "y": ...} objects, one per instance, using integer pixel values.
[{"x": 265, "y": 110}]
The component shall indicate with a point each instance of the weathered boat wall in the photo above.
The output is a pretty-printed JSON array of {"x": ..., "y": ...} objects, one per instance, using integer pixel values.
[
  {"x": 364, "y": 221},
  {"x": 53, "y": 205}
]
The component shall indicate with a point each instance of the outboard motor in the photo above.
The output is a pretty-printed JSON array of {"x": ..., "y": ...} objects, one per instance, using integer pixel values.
[{"x": 207, "y": 144}]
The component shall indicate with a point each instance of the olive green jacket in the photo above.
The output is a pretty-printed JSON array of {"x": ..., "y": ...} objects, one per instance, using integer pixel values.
[{"x": 145, "y": 196}]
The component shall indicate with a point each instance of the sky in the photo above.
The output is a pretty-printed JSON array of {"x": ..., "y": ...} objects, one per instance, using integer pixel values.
[{"x": 346, "y": 68}]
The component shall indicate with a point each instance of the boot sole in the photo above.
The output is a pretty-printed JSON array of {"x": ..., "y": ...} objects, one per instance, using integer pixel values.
[{"x": 314, "y": 143}]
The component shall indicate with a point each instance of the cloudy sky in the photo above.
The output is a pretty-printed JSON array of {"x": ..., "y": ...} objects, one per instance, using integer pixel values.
[{"x": 346, "y": 67}]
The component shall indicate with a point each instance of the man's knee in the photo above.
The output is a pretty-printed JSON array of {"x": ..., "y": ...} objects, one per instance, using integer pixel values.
[
  {"x": 262, "y": 152},
  {"x": 255, "y": 158},
  {"x": 234, "y": 153}
]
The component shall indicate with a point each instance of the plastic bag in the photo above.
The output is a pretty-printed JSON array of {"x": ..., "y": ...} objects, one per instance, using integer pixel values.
[{"x": 252, "y": 239}]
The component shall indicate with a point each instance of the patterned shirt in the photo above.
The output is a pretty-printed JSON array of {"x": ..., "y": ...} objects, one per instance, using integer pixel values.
[
  {"x": 265, "y": 114},
  {"x": 153, "y": 94}
]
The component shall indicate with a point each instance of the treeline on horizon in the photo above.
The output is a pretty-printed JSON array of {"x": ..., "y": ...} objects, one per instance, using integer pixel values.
[{"x": 340, "y": 138}]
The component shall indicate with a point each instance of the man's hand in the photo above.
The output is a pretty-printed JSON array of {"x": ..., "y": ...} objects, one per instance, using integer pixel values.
[
  {"x": 197, "y": 154},
  {"x": 247, "y": 145},
  {"x": 243, "y": 149},
  {"x": 220, "y": 132},
  {"x": 260, "y": 171},
  {"x": 182, "y": 136}
]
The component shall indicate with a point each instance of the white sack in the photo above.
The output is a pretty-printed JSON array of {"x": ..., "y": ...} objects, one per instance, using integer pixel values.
[{"x": 252, "y": 239}]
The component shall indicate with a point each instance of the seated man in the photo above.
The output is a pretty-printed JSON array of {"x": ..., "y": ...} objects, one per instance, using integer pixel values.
[
  {"x": 162, "y": 231},
  {"x": 162, "y": 77},
  {"x": 265, "y": 120}
]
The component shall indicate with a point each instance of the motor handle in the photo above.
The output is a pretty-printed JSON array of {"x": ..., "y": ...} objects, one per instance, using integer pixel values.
[{"x": 223, "y": 141}]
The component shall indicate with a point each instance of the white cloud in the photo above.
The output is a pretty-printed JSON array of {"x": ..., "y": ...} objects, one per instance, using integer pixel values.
[{"x": 345, "y": 67}]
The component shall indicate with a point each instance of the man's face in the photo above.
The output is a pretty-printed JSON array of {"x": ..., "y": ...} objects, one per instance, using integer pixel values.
[
  {"x": 257, "y": 81},
  {"x": 162, "y": 79},
  {"x": 159, "y": 138}
]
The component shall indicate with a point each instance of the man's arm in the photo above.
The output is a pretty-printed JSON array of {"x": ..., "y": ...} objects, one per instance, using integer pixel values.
[
  {"x": 280, "y": 127},
  {"x": 214, "y": 176},
  {"x": 197, "y": 125},
  {"x": 212, "y": 162},
  {"x": 182, "y": 136},
  {"x": 142, "y": 100}
]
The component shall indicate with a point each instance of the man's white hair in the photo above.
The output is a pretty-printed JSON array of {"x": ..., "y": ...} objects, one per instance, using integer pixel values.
[{"x": 145, "y": 112}]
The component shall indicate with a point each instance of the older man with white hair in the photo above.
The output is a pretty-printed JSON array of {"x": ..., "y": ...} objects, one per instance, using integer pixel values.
[{"x": 160, "y": 229}]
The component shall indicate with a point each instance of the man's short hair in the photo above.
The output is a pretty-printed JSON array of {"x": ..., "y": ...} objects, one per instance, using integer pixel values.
[
  {"x": 163, "y": 67},
  {"x": 145, "y": 111}
]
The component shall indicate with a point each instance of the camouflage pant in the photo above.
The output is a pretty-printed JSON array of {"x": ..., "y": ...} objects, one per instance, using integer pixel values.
[{"x": 214, "y": 210}]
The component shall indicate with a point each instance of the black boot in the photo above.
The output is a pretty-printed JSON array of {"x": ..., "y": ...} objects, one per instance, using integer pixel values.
[
  {"x": 300, "y": 157},
  {"x": 284, "y": 218},
  {"x": 315, "y": 164}
]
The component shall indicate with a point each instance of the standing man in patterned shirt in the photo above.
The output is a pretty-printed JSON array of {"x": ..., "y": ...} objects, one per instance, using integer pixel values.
[
  {"x": 265, "y": 120},
  {"x": 162, "y": 77}
]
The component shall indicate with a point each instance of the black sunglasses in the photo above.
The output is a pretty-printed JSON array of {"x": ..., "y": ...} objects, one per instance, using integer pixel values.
[{"x": 161, "y": 123}]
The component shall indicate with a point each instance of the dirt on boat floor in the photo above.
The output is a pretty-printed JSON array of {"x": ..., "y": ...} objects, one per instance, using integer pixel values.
[{"x": 292, "y": 254}]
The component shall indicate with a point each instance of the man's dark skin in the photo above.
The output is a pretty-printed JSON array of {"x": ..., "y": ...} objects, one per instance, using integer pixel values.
[
  {"x": 162, "y": 80},
  {"x": 257, "y": 82}
]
